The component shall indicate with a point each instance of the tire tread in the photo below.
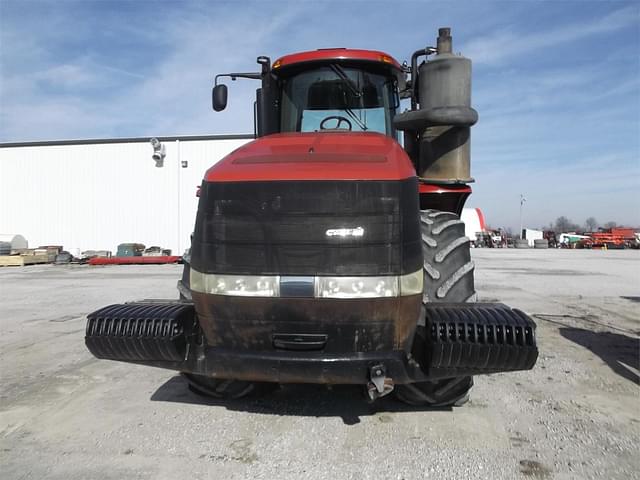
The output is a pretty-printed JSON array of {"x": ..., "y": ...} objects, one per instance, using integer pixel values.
[{"x": 448, "y": 277}]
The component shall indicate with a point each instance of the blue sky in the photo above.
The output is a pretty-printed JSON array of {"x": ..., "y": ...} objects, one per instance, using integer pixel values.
[{"x": 557, "y": 84}]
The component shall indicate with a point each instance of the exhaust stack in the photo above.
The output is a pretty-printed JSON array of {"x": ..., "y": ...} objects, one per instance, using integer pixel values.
[{"x": 439, "y": 125}]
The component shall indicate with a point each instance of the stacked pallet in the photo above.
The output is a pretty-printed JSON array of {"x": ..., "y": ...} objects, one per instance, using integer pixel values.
[
  {"x": 14, "y": 252},
  {"x": 28, "y": 257}
]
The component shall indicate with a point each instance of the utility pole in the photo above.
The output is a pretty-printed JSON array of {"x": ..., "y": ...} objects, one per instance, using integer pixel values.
[{"x": 522, "y": 200}]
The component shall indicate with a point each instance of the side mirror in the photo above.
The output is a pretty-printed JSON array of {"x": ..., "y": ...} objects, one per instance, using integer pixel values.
[{"x": 219, "y": 97}]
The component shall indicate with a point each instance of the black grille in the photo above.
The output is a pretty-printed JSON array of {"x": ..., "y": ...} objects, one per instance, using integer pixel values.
[{"x": 280, "y": 227}]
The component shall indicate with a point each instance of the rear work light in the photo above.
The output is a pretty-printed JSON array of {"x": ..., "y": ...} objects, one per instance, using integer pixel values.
[
  {"x": 235, "y": 285},
  {"x": 322, "y": 286}
]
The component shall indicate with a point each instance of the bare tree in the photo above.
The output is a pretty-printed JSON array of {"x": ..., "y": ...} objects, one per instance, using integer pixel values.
[
  {"x": 590, "y": 224},
  {"x": 610, "y": 225},
  {"x": 563, "y": 225}
]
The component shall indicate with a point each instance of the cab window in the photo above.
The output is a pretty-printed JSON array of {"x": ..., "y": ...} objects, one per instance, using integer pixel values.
[{"x": 334, "y": 97}]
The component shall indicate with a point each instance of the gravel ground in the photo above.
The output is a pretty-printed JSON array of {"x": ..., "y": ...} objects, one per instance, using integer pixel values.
[{"x": 66, "y": 415}]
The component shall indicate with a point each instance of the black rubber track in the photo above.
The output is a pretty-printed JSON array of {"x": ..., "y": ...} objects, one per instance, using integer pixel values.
[
  {"x": 448, "y": 278},
  {"x": 226, "y": 389}
]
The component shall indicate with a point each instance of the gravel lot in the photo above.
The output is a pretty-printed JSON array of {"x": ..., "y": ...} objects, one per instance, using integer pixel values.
[{"x": 67, "y": 415}]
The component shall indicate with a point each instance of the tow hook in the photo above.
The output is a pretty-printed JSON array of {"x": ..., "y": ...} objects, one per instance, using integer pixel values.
[{"x": 379, "y": 385}]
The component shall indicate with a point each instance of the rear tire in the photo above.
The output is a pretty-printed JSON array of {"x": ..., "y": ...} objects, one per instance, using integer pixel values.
[
  {"x": 448, "y": 278},
  {"x": 451, "y": 392},
  {"x": 226, "y": 389},
  {"x": 447, "y": 267},
  {"x": 540, "y": 243}
]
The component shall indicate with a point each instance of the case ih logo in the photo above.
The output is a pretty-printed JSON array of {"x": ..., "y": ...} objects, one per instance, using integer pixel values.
[{"x": 345, "y": 232}]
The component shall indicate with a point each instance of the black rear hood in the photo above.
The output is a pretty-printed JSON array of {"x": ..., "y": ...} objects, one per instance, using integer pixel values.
[{"x": 281, "y": 228}]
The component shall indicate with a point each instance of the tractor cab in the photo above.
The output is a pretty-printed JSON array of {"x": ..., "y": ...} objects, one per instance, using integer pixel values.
[{"x": 324, "y": 90}]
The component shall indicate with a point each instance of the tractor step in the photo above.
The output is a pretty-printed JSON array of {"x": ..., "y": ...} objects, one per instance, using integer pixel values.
[
  {"x": 473, "y": 339},
  {"x": 140, "y": 332}
]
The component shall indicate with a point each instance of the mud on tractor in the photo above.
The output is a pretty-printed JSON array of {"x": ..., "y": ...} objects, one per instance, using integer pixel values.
[{"x": 326, "y": 252}]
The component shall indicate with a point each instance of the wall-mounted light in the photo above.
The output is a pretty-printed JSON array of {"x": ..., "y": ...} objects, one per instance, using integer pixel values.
[{"x": 158, "y": 152}]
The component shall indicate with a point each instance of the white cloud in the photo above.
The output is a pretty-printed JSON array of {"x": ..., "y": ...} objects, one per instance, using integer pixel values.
[
  {"x": 68, "y": 76},
  {"x": 168, "y": 95},
  {"x": 498, "y": 47}
]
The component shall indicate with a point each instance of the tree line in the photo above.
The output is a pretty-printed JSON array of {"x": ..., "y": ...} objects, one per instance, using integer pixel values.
[{"x": 563, "y": 225}]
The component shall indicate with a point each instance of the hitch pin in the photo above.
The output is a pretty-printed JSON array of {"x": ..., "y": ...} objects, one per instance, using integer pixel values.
[{"x": 380, "y": 385}]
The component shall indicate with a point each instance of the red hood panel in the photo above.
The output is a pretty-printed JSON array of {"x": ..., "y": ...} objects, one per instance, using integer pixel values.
[{"x": 315, "y": 156}]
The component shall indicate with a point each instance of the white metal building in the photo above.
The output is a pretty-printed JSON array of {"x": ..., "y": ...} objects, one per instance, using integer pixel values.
[
  {"x": 474, "y": 222},
  {"x": 96, "y": 194}
]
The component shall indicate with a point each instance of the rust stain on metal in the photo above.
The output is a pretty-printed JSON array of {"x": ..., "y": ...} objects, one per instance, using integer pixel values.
[{"x": 351, "y": 324}]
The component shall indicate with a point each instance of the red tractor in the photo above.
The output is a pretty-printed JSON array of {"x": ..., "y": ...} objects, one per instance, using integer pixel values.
[{"x": 325, "y": 251}]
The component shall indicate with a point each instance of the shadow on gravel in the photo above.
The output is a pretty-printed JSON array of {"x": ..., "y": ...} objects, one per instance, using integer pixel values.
[
  {"x": 615, "y": 349},
  {"x": 344, "y": 401}
]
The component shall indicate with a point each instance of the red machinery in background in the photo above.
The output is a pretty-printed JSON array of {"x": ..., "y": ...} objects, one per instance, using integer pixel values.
[{"x": 616, "y": 237}]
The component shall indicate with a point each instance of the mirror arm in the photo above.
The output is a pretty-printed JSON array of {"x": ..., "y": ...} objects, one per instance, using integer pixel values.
[{"x": 233, "y": 76}]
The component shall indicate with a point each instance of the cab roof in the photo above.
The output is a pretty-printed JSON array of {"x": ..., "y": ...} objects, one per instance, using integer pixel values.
[{"x": 325, "y": 54}]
